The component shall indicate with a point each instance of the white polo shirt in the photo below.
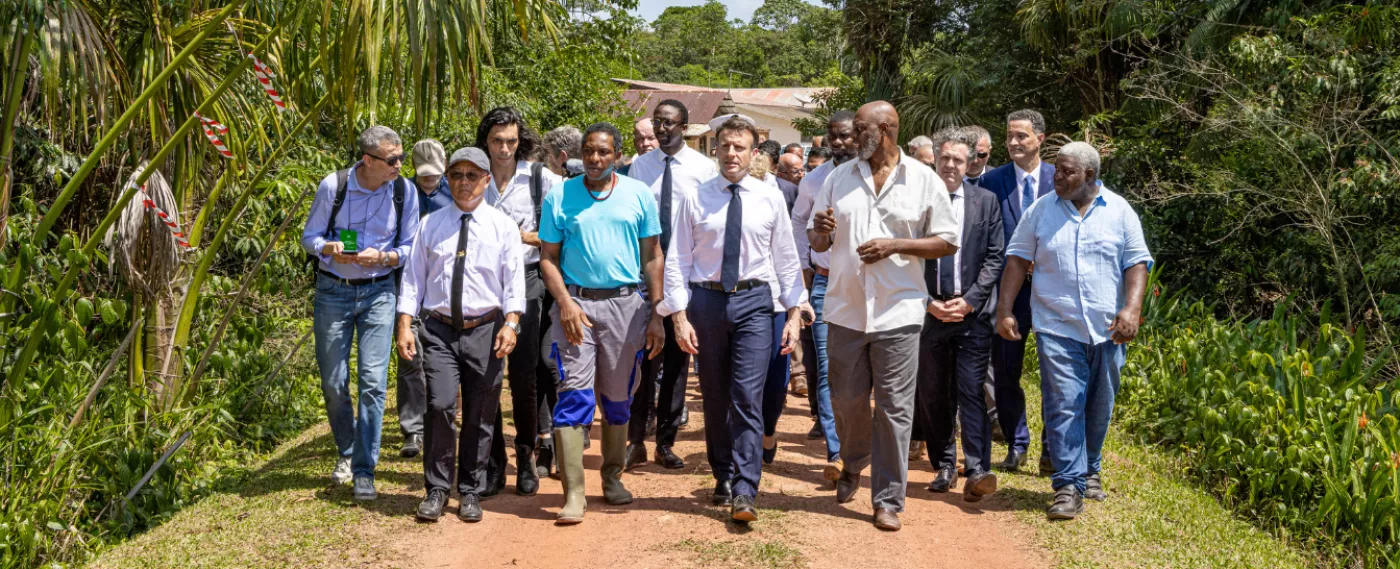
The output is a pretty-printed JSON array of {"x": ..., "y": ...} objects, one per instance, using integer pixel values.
[{"x": 912, "y": 204}]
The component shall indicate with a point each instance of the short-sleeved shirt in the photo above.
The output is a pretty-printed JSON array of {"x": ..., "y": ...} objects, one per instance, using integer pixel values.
[
  {"x": 598, "y": 239},
  {"x": 913, "y": 204},
  {"x": 1079, "y": 263}
]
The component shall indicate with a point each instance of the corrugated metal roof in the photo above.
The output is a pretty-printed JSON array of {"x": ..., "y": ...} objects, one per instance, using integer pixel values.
[
  {"x": 702, "y": 105},
  {"x": 799, "y": 97}
]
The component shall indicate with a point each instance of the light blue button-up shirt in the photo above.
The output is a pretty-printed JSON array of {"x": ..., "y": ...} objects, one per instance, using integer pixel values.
[
  {"x": 368, "y": 212},
  {"x": 1079, "y": 263}
]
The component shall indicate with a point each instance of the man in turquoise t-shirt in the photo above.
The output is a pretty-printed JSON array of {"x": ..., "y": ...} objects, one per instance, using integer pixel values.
[{"x": 598, "y": 232}]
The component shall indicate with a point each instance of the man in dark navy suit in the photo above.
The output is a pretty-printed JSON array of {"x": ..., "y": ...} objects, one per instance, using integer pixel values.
[{"x": 1016, "y": 186}]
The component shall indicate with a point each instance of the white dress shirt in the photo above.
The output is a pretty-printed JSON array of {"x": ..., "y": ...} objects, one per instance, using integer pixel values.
[
  {"x": 766, "y": 250},
  {"x": 807, "y": 190},
  {"x": 494, "y": 275},
  {"x": 959, "y": 204},
  {"x": 689, "y": 169},
  {"x": 912, "y": 204},
  {"x": 515, "y": 201}
]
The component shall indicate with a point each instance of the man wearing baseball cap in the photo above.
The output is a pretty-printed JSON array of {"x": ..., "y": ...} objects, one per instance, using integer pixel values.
[
  {"x": 429, "y": 162},
  {"x": 466, "y": 275}
]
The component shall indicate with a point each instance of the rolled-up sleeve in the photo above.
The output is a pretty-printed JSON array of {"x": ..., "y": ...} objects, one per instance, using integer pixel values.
[
  {"x": 513, "y": 272},
  {"x": 313, "y": 235},
  {"x": 1134, "y": 244},
  {"x": 678, "y": 260}
]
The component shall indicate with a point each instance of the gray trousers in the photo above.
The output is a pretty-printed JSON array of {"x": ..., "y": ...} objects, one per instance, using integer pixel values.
[
  {"x": 412, "y": 394},
  {"x": 605, "y": 370},
  {"x": 886, "y": 364}
]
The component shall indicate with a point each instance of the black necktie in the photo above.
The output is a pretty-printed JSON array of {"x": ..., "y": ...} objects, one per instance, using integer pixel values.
[
  {"x": 666, "y": 204},
  {"x": 733, "y": 227},
  {"x": 945, "y": 270},
  {"x": 459, "y": 266}
]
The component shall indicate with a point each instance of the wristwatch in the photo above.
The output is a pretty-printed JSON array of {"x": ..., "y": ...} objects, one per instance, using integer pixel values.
[{"x": 514, "y": 326}]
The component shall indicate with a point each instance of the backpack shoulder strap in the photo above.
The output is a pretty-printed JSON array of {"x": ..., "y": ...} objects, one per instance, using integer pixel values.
[
  {"x": 400, "y": 187},
  {"x": 537, "y": 186},
  {"x": 342, "y": 183}
]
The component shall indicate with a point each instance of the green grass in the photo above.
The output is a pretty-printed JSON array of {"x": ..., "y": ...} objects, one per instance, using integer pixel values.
[
  {"x": 766, "y": 554},
  {"x": 1154, "y": 516}
]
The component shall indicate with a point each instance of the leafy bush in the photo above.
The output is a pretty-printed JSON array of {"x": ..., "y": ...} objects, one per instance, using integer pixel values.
[{"x": 1285, "y": 419}]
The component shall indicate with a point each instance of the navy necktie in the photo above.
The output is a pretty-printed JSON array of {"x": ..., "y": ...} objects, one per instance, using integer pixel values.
[
  {"x": 459, "y": 266},
  {"x": 1027, "y": 194},
  {"x": 946, "y": 267},
  {"x": 733, "y": 228},
  {"x": 666, "y": 204}
]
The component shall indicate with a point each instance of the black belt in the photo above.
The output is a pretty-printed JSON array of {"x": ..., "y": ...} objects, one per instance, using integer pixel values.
[
  {"x": 356, "y": 282},
  {"x": 745, "y": 284},
  {"x": 466, "y": 324},
  {"x": 602, "y": 293},
  {"x": 944, "y": 297},
  {"x": 532, "y": 267}
]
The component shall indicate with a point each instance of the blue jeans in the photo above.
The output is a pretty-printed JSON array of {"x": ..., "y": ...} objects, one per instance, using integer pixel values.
[
  {"x": 342, "y": 313},
  {"x": 825, "y": 416},
  {"x": 1078, "y": 382}
]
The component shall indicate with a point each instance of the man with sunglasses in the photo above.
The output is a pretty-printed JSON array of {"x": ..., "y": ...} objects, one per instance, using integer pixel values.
[
  {"x": 673, "y": 171},
  {"x": 981, "y": 154},
  {"x": 359, "y": 237},
  {"x": 467, "y": 278}
]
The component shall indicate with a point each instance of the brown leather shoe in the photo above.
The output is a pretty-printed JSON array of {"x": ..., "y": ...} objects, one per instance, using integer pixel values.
[
  {"x": 887, "y": 520},
  {"x": 799, "y": 386},
  {"x": 847, "y": 486},
  {"x": 979, "y": 484}
]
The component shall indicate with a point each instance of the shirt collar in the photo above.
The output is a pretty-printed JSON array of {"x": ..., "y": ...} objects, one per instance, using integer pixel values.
[
  {"x": 354, "y": 183},
  {"x": 960, "y": 191},
  {"x": 682, "y": 157},
  {"x": 1021, "y": 176},
  {"x": 863, "y": 170}
]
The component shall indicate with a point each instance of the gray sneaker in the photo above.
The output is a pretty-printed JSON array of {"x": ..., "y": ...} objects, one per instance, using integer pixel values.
[
  {"x": 364, "y": 489},
  {"x": 341, "y": 474},
  {"x": 1093, "y": 488}
]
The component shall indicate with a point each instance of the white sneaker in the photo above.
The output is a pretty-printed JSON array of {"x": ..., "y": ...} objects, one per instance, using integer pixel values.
[
  {"x": 341, "y": 474},
  {"x": 364, "y": 489}
]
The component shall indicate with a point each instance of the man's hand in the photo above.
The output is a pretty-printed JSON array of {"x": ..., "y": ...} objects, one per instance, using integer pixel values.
[
  {"x": 958, "y": 309},
  {"x": 825, "y": 223},
  {"x": 406, "y": 343},
  {"x": 685, "y": 334},
  {"x": 1006, "y": 328},
  {"x": 1125, "y": 326},
  {"x": 368, "y": 258},
  {"x": 792, "y": 334},
  {"x": 505, "y": 341},
  {"x": 656, "y": 335},
  {"x": 943, "y": 311},
  {"x": 530, "y": 238},
  {"x": 574, "y": 320},
  {"x": 807, "y": 313},
  {"x": 876, "y": 250},
  {"x": 336, "y": 250}
]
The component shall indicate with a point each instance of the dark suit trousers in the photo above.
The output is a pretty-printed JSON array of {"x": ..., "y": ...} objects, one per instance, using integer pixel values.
[
  {"x": 671, "y": 369},
  {"x": 459, "y": 360},
  {"x": 1008, "y": 359},
  {"x": 775, "y": 385},
  {"x": 733, "y": 331},
  {"x": 952, "y": 367},
  {"x": 526, "y": 382}
]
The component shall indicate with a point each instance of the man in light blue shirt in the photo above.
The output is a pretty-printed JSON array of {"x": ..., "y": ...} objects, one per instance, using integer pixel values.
[
  {"x": 361, "y": 229},
  {"x": 1091, "y": 264},
  {"x": 598, "y": 232}
]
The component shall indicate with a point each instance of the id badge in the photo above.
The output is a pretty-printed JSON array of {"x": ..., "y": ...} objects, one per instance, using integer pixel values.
[{"x": 350, "y": 238}]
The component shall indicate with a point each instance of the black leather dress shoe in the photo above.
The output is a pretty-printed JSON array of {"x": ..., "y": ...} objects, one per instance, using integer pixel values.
[
  {"x": 742, "y": 510},
  {"x": 668, "y": 459},
  {"x": 636, "y": 456},
  {"x": 1068, "y": 504},
  {"x": 544, "y": 464},
  {"x": 1014, "y": 461},
  {"x": 470, "y": 509},
  {"x": 430, "y": 509},
  {"x": 685, "y": 416},
  {"x": 412, "y": 445},
  {"x": 847, "y": 486},
  {"x": 979, "y": 483},
  {"x": 724, "y": 493},
  {"x": 816, "y": 433},
  {"x": 495, "y": 483},
  {"x": 769, "y": 454},
  {"x": 945, "y": 479}
]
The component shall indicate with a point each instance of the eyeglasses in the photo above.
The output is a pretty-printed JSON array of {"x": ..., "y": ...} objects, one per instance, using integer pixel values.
[
  {"x": 983, "y": 155},
  {"x": 395, "y": 160},
  {"x": 471, "y": 177},
  {"x": 664, "y": 124}
]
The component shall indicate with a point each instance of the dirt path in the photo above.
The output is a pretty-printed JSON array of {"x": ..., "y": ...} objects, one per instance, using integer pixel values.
[{"x": 672, "y": 524}]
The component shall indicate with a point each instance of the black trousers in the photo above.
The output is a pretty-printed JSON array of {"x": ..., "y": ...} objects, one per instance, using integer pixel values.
[
  {"x": 671, "y": 369},
  {"x": 1008, "y": 359},
  {"x": 533, "y": 378},
  {"x": 462, "y": 360},
  {"x": 952, "y": 368}
]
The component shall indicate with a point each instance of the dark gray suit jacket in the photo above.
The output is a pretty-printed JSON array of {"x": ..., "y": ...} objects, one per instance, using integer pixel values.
[{"x": 983, "y": 248}]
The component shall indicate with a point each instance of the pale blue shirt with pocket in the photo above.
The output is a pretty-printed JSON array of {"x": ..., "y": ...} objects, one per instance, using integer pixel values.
[
  {"x": 1079, "y": 263},
  {"x": 370, "y": 213}
]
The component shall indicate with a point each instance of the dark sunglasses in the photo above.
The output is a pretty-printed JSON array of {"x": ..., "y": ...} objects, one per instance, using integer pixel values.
[
  {"x": 395, "y": 160},
  {"x": 471, "y": 177},
  {"x": 983, "y": 155}
]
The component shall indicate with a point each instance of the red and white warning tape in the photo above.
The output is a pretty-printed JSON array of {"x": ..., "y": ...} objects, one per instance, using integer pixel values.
[
  {"x": 212, "y": 130},
  {"x": 165, "y": 218},
  {"x": 265, "y": 77}
]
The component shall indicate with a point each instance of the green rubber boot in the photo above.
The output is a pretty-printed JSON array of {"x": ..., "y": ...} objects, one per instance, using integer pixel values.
[
  {"x": 568, "y": 445},
  {"x": 614, "y": 457}
]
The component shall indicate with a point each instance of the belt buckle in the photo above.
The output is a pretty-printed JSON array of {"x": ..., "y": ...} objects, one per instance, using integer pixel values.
[{"x": 733, "y": 290}]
